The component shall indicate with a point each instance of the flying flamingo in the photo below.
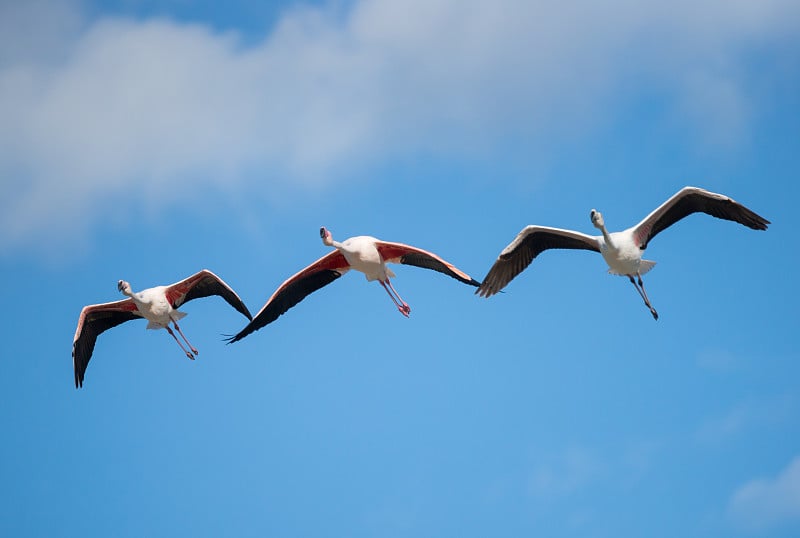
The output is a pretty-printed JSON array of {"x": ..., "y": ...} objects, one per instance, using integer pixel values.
[
  {"x": 363, "y": 253},
  {"x": 157, "y": 305},
  {"x": 622, "y": 251}
]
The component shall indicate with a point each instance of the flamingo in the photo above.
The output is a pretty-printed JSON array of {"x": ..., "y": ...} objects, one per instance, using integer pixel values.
[
  {"x": 157, "y": 305},
  {"x": 623, "y": 250},
  {"x": 362, "y": 253}
]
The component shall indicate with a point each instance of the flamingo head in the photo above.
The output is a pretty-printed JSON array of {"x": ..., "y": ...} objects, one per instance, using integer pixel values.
[
  {"x": 326, "y": 236},
  {"x": 597, "y": 219},
  {"x": 124, "y": 287}
]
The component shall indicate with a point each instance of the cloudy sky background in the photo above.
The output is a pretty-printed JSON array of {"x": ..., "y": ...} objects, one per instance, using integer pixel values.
[{"x": 147, "y": 140}]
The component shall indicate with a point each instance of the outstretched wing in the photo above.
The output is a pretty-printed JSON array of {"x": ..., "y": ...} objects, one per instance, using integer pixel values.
[
  {"x": 317, "y": 275},
  {"x": 408, "y": 255},
  {"x": 95, "y": 319},
  {"x": 204, "y": 284},
  {"x": 529, "y": 243},
  {"x": 690, "y": 200}
]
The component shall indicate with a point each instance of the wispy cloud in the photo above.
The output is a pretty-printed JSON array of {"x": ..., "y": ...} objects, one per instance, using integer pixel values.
[
  {"x": 143, "y": 111},
  {"x": 719, "y": 360},
  {"x": 748, "y": 415},
  {"x": 576, "y": 468},
  {"x": 572, "y": 470},
  {"x": 764, "y": 503}
]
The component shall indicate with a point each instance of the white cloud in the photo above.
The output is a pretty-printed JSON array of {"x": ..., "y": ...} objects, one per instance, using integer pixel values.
[
  {"x": 36, "y": 30},
  {"x": 731, "y": 424},
  {"x": 748, "y": 415},
  {"x": 719, "y": 360},
  {"x": 572, "y": 470},
  {"x": 146, "y": 111},
  {"x": 765, "y": 503}
]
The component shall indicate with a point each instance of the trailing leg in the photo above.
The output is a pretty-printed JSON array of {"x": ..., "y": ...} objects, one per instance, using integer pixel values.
[
  {"x": 172, "y": 334},
  {"x": 640, "y": 289},
  {"x": 184, "y": 337},
  {"x": 398, "y": 302}
]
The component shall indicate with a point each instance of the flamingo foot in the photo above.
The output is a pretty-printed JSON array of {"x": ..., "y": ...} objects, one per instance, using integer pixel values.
[
  {"x": 655, "y": 314},
  {"x": 404, "y": 309},
  {"x": 190, "y": 355}
]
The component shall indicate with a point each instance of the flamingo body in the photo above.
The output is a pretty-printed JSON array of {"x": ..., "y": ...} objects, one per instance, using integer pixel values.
[
  {"x": 623, "y": 250},
  {"x": 363, "y": 253},
  {"x": 623, "y": 256},
  {"x": 153, "y": 305},
  {"x": 158, "y": 305}
]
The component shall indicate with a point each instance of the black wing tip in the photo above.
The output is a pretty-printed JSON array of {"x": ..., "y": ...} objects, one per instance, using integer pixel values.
[
  {"x": 466, "y": 279},
  {"x": 752, "y": 220},
  {"x": 484, "y": 291},
  {"x": 747, "y": 216},
  {"x": 78, "y": 374},
  {"x": 78, "y": 379},
  {"x": 230, "y": 339},
  {"x": 245, "y": 312},
  {"x": 761, "y": 223},
  {"x": 238, "y": 304}
]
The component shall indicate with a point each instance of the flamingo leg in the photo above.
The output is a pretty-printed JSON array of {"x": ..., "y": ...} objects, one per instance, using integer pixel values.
[
  {"x": 643, "y": 294},
  {"x": 172, "y": 334},
  {"x": 398, "y": 302},
  {"x": 646, "y": 300},
  {"x": 184, "y": 338}
]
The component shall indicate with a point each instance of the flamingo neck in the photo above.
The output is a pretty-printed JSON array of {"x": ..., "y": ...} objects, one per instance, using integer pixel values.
[
  {"x": 607, "y": 237},
  {"x": 328, "y": 241}
]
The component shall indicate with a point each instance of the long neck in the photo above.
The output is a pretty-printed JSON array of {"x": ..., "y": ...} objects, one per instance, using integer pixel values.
[
  {"x": 128, "y": 292},
  {"x": 607, "y": 237},
  {"x": 328, "y": 240}
]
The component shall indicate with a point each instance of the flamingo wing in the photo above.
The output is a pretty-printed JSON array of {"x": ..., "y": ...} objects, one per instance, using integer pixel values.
[
  {"x": 94, "y": 320},
  {"x": 317, "y": 275},
  {"x": 204, "y": 284},
  {"x": 529, "y": 243},
  {"x": 690, "y": 200},
  {"x": 408, "y": 255}
]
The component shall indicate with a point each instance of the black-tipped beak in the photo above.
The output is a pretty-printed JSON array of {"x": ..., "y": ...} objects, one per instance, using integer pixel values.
[
  {"x": 322, "y": 232},
  {"x": 119, "y": 285}
]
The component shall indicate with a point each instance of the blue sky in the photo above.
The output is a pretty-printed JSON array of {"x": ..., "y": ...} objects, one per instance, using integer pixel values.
[{"x": 147, "y": 140}]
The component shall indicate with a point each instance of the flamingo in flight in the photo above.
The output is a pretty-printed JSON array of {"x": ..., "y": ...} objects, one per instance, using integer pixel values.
[
  {"x": 362, "y": 253},
  {"x": 623, "y": 250},
  {"x": 157, "y": 305}
]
